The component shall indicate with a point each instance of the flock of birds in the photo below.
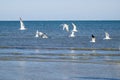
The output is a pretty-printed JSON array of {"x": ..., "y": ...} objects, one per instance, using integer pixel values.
[{"x": 65, "y": 27}]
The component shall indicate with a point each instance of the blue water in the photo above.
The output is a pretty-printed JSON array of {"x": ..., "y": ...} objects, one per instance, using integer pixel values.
[
  {"x": 59, "y": 57},
  {"x": 59, "y": 46},
  {"x": 11, "y": 36}
]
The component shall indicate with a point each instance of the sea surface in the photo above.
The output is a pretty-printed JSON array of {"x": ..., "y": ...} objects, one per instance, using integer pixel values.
[{"x": 59, "y": 57}]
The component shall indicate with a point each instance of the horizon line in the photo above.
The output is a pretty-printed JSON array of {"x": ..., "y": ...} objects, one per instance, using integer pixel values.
[{"x": 62, "y": 20}]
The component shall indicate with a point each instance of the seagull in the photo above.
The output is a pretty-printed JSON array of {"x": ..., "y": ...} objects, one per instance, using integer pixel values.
[
  {"x": 65, "y": 26},
  {"x": 44, "y": 36},
  {"x": 72, "y": 34},
  {"x": 107, "y": 36},
  {"x": 74, "y": 28},
  {"x": 93, "y": 39},
  {"x": 40, "y": 34},
  {"x": 37, "y": 34},
  {"x": 22, "y": 26}
]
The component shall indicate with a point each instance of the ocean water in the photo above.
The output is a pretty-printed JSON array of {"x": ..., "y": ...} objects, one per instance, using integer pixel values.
[{"x": 59, "y": 49}]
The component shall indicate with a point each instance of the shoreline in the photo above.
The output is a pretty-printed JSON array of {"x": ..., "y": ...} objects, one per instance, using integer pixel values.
[{"x": 24, "y": 70}]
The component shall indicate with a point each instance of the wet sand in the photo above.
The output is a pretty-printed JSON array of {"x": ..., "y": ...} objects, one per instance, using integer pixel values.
[{"x": 32, "y": 70}]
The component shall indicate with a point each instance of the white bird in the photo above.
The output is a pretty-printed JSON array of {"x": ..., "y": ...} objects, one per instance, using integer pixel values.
[
  {"x": 37, "y": 34},
  {"x": 107, "y": 36},
  {"x": 93, "y": 39},
  {"x": 74, "y": 28},
  {"x": 72, "y": 34},
  {"x": 22, "y": 26},
  {"x": 41, "y": 33},
  {"x": 65, "y": 26},
  {"x": 44, "y": 36}
]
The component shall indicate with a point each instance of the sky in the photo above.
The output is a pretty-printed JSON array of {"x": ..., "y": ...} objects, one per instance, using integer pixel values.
[{"x": 60, "y": 9}]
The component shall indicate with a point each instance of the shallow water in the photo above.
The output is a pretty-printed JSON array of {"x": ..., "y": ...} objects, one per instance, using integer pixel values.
[{"x": 24, "y": 70}]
